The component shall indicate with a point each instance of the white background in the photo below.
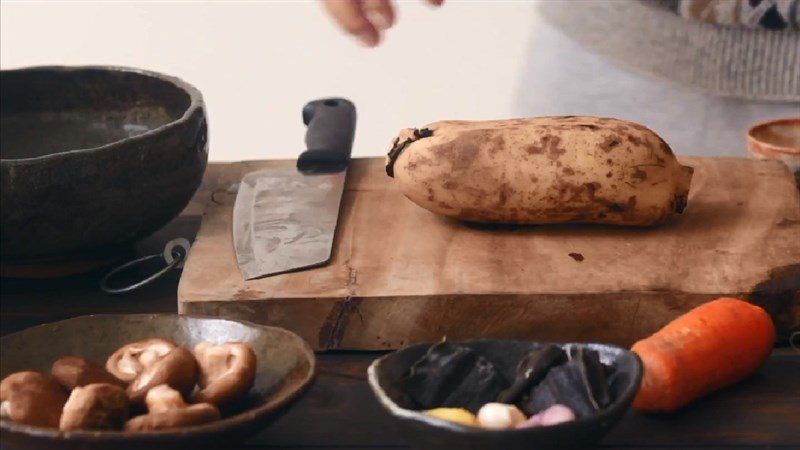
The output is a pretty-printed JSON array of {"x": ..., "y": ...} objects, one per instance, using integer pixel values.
[{"x": 258, "y": 62}]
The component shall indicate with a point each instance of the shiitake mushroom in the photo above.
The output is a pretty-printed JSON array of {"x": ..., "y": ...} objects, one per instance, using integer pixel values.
[{"x": 156, "y": 372}]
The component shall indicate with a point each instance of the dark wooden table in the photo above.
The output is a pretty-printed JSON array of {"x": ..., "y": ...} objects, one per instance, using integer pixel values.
[{"x": 339, "y": 411}]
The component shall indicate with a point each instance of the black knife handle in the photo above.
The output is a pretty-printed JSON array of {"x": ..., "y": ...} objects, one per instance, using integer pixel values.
[{"x": 331, "y": 126}]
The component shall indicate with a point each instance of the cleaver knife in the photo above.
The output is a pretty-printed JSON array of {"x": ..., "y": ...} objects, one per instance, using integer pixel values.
[{"x": 285, "y": 219}]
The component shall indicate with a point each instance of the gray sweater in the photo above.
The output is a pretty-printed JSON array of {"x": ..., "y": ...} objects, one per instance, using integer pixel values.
[
  {"x": 699, "y": 85},
  {"x": 734, "y": 48}
]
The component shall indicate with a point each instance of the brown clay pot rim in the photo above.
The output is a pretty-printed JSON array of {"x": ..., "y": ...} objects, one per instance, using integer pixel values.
[
  {"x": 195, "y": 102},
  {"x": 793, "y": 151}
]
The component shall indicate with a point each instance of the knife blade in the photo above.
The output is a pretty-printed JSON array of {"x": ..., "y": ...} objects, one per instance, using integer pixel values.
[{"x": 285, "y": 219}]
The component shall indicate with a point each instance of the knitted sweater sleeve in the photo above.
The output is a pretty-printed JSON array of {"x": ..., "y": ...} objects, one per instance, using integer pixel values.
[
  {"x": 765, "y": 14},
  {"x": 732, "y": 48}
]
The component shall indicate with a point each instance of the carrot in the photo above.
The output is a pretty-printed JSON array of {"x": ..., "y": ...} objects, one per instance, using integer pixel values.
[{"x": 712, "y": 346}]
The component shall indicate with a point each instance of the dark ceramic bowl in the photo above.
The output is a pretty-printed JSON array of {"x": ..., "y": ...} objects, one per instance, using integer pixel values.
[
  {"x": 93, "y": 158},
  {"x": 285, "y": 370},
  {"x": 426, "y": 432}
]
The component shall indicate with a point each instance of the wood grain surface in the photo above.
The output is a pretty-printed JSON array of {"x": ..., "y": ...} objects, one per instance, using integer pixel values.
[
  {"x": 339, "y": 412},
  {"x": 400, "y": 274}
]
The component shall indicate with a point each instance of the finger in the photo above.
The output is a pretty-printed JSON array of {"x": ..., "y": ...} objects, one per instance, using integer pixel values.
[
  {"x": 379, "y": 12},
  {"x": 350, "y": 16}
]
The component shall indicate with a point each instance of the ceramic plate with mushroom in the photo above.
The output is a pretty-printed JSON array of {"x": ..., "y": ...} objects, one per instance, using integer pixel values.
[
  {"x": 161, "y": 366},
  {"x": 147, "y": 385}
]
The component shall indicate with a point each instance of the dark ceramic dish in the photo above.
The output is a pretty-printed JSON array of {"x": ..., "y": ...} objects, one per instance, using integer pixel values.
[
  {"x": 93, "y": 158},
  {"x": 285, "y": 370},
  {"x": 426, "y": 432}
]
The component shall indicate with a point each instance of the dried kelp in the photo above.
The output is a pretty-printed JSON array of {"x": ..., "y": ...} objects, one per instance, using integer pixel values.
[
  {"x": 453, "y": 376},
  {"x": 580, "y": 384},
  {"x": 593, "y": 373},
  {"x": 531, "y": 369}
]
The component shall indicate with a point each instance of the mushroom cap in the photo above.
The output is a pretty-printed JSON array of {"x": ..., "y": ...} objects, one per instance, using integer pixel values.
[
  {"x": 227, "y": 371},
  {"x": 31, "y": 398},
  {"x": 168, "y": 410},
  {"x": 130, "y": 360},
  {"x": 74, "y": 371},
  {"x": 177, "y": 369},
  {"x": 99, "y": 406}
]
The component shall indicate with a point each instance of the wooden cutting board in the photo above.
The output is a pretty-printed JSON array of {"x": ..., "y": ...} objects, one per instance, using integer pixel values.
[{"x": 401, "y": 274}]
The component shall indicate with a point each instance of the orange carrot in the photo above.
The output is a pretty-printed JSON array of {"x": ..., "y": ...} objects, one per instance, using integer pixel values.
[{"x": 710, "y": 347}]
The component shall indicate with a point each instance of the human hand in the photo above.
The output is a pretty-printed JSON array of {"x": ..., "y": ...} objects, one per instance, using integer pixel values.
[{"x": 365, "y": 19}]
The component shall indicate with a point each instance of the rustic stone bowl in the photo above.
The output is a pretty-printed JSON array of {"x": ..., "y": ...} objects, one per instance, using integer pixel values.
[
  {"x": 286, "y": 367},
  {"x": 93, "y": 159},
  {"x": 427, "y": 432}
]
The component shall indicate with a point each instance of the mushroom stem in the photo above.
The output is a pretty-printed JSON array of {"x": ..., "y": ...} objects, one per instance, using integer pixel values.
[
  {"x": 163, "y": 398},
  {"x": 168, "y": 410}
]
